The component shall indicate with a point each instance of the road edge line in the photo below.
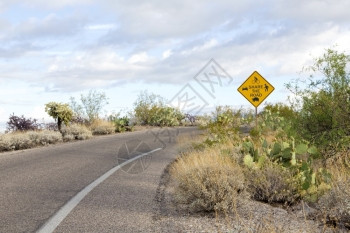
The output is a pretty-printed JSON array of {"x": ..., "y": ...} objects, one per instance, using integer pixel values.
[{"x": 54, "y": 221}]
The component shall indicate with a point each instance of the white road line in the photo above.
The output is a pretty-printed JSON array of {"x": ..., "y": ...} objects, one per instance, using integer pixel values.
[{"x": 60, "y": 215}]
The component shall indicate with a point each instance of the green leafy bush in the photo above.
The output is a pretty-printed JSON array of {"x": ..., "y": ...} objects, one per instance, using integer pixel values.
[
  {"x": 224, "y": 124},
  {"x": 121, "y": 124},
  {"x": 151, "y": 109},
  {"x": 323, "y": 101}
]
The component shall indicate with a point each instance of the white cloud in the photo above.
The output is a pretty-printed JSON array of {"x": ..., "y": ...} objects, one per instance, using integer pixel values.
[
  {"x": 139, "y": 58},
  {"x": 167, "y": 53},
  {"x": 52, "y": 26},
  {"x": 101, "y": 27},
  {"x": 199, "y": 48}
]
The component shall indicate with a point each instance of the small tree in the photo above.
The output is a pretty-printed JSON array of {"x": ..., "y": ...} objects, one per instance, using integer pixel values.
[
  {"x": 60, "y": 112},
  {"x": 151, "y": 109},
  {"x": 323, "y": 100}
]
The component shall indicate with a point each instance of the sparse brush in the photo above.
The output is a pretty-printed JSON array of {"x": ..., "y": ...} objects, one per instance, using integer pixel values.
[
  {"x": 102, "y": 127},
  {"x": 28, "y": 139},
  {"x": 207, "y": 181},
  {"x": 272, "y": 183},
  {"x": 75, "y": 132},
  {"x": 335, "y": 204}
]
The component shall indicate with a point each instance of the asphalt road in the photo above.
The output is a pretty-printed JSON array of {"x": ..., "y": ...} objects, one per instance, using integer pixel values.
[{"x": 35, "y": 184}]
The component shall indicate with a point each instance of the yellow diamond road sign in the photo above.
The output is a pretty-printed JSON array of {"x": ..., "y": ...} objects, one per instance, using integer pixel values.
[{"x": 256, "y": 89}]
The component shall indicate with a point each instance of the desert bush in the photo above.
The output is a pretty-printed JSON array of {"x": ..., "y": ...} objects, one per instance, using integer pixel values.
[
  {"x": 28, "y": 139},
  {"x": 44, "y": 137},
  {"x": 207, "y": 181},
  {"x": 121, "y": 124},
  {"x": 75, "y": 132},
  {"x": 297, "y": 158},
  {"x": 203, "y": 121},
  {"x": 151, "y": 109},
  {"x": 272, "y": 183},
  {"x": 20, "y": 123},
  {"x": 279, "y": 117},
  {"x": 224, "y": 124},
  {"x": 102, "y": 127},
  {"x": 50, "y": 126},
  {"x": 281, "y": 109},
  {"x": 335, "y": 205}
]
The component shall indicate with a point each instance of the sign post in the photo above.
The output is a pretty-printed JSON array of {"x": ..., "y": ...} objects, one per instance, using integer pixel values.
[{"x": 256, "y": 89}]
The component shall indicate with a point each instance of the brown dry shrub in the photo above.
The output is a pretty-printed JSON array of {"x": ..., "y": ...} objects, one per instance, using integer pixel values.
[
  {"x": 272, "y": 183},
  {"x": 335, "y": 204},
  {"x": 207, "y": 181},
  {"x": 28, "y": 139},
  {"x": 75, "y": 132},
  {"x": 102, "y": 127}
]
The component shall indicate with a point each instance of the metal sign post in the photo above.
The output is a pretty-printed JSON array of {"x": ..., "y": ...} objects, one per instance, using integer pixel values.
[{"x": 256, "y": 118}]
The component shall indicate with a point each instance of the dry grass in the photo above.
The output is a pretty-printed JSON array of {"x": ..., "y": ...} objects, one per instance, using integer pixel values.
[
  {"x": 335, "y": 205},
  {"x": 102, "y": 127},
  {"x": 207, "y": 181},
  {"x": 76, "y": 132},
  {"x": 28, "y": 139}
]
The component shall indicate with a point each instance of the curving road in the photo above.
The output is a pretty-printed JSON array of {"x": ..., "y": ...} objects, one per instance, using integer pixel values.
[{"x": 38, "y": 183}]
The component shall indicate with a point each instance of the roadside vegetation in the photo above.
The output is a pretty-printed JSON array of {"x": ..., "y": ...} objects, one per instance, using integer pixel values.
[
  {"x": 297, "y": 155},
  {"x": 83, "y": 118}
]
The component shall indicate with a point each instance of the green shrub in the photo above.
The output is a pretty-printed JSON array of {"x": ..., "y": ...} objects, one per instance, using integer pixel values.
[
  {"x": 296, "y": 158},
  {"x": 75, "y": 132},
  {"x": 324, "y": 102},
  {"x": 279, "y": 117},
  {"x": 121, "y": 124},
  {"x": 151, "y": 109},
  {"x": 281, "y": 110},
  {"x": 224, "y": 124}
]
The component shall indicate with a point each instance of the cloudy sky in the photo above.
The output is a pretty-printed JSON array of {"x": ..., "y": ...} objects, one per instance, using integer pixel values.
[{"x": 51, "y": 50}]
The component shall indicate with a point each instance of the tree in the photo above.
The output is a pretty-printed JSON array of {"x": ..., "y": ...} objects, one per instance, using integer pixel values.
[
  {"x": 151, "y": 109},
  {"x": 323, "y": 99},
  {"x": 91, "y": 105},
  {"x": 62, "y": 113}
]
